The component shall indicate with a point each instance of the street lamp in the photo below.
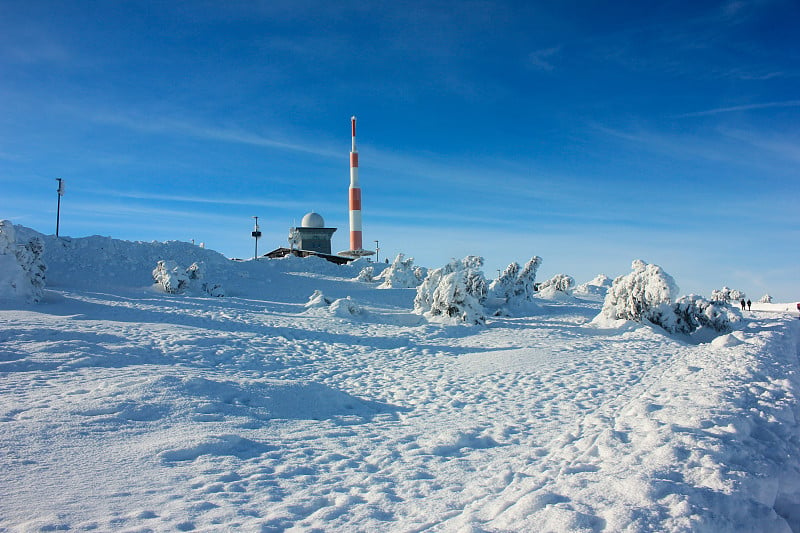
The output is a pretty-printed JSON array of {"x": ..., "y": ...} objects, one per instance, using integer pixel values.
[
  {"x": 256, "y": 235},
  {"x": 58, "y": 210},
  {"x": 377, "y": 253}
]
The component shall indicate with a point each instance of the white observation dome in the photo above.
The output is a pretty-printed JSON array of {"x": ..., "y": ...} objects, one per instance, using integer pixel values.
[{"x": 312, "y": 220}]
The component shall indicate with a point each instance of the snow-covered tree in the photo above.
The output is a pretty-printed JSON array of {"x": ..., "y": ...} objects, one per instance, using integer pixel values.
[
  {"x": 367, "y": 274},
  {"x": 766, "y": 299},
  {"x": 639, "y": 295},
  {"x": 515, "y": 285},
  {"x": 692, "y": 312},
  {"x": 22, "y": 269},
  {"x": 726, "y": 294},
  {"x": 402, "y": 274},
  {"x": 174, "y": 279},
  {"x": 503, "y": 287},
  {"x": 557, "y": 286},
  {"x": 648, "y": 294},
  {"x": 455, "y": 292},
  {"x": 170, "y": 277}
]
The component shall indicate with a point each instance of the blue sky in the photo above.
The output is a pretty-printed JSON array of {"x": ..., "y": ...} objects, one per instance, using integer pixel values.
[{"x": 588, "y": 133}]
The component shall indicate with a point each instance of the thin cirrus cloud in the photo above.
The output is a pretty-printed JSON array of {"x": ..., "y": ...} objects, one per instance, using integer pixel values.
[
  {"x": 740, "y": 108},
  {"x": 543, "y": 59},
  {"x": 175, "y": 126}
]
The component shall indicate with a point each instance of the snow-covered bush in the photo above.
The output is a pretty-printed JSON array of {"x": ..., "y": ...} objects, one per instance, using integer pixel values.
[
  {"x": 515, "y": 286},
  {"x": 402, "y": 274},
  {"x": 502, "y": 288},
  {"x": 345, "y": 308},
  {"x": 454, "y": 293},
  {"x": 766, "y": 299},
  {"x": 22, "y": 270},
  {"x": 726, "y": 294},
  {"x": 648, "y": 294},
  {"x": 693, "y": 312},
  {"x": 596, "y": 288},
  {"x": 174, "y": 279},
  {"x": 317, "y": 299},
  {"x": 556, "y": 287},
  {"x": 639, "y": 295},
  {"x": 170, "y": 277},
  {"x": 367, "y": 274}
]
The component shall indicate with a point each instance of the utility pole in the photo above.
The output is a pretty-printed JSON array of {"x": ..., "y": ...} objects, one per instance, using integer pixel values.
[
  {"x": 58, "y": 209},
  {"x": 256, "y": 235}
]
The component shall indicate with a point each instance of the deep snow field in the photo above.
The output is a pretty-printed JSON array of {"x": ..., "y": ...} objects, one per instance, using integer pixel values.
[{"x": 123, "y": 408}]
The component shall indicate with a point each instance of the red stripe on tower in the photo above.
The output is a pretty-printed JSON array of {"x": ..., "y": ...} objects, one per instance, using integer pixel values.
[{"x": 355, "y": 199}]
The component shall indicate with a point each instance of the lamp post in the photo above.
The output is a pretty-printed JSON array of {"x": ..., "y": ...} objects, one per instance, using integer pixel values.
[
  {"x": 58, "y": 209},
  {"x": 256, "y": 235},
  {"x": 377, "y": 253}
]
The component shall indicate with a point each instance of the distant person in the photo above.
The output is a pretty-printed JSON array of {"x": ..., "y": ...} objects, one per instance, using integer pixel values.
[
  {"x": 742, "y": 304},
  {"x": 798, "y": 310},
  {"x": 749, "y": 303}
]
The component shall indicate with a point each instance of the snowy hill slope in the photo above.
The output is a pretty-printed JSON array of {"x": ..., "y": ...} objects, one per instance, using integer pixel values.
[{"x": 124, "y": 408}]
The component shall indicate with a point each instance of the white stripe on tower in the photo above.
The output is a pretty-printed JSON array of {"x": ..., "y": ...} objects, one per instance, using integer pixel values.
[{"x": 355, "y": 195}]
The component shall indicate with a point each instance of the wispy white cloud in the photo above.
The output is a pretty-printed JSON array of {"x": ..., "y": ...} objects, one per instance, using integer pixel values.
[
  {"x": 177, "y": 126},
  {"x": 740, "y": 108},
  {"x": 542, "y": 59}
]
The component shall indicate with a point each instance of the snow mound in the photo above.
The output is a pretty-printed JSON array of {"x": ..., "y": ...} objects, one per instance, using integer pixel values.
[
  {"x": 597, "y": 288},
  {"x": 728, "y": 340}
]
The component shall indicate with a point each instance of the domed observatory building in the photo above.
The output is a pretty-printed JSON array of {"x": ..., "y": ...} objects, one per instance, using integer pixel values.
[{"x": 312, "y": 235}]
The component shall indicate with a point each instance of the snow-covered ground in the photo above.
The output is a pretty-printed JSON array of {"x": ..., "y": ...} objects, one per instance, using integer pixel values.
[{"x": 126, "y": 408}]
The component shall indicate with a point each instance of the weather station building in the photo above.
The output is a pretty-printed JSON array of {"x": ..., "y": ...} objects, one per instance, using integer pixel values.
[
  {"x": 310, "y": 238},
  {"x": 312, "y": 235}
]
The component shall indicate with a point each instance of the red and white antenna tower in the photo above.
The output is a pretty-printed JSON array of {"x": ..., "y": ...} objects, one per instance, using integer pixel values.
[{"x": 356, "y": 243}]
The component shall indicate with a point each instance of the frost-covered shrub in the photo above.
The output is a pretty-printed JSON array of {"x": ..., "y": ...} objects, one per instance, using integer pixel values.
[
  {"x": 648, "y": 294},
  {"x": 693, "y": 312},
  {"x": 556, "y": 287},
  {"x": 597, "y": 287},
  {"x": 514, "y": 286},
  {"x": 22, "y": 270},
  {"x": 402, "y": 274},
  {"x": 345, "y": 308},
  {"x": 726, "y": 294},
  {"x": 503, "y": 287},
  {"x": 174, "y": 279},
  {"x": 639, "y": 295},
  {"x": 317, "y": 299},
  {"x": 170, "y": 277},
  {"x": 455, "y": 292},
  {"x": 766, "y": 299},
  {"x": 367, "y": 274}
]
